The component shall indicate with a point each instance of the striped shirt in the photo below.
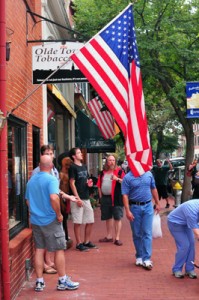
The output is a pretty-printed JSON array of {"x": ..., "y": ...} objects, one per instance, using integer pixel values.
[{"x": 186, "y": 214}]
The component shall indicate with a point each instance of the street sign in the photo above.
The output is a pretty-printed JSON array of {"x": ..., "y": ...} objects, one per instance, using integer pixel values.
[{"x": 192, "y": 92}]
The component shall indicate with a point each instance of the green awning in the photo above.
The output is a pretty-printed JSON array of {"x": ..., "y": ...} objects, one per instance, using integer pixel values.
[{"x": 89, "y": 136}]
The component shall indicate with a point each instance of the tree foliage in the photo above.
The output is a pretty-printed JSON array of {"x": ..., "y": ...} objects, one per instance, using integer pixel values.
[{"x": 168, "y": 43}]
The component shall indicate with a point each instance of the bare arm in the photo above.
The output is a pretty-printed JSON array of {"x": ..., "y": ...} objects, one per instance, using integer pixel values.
[
  {"x": 54, "y": 199},
  {"x": 129, "y": 214},
  {"x": 67, "y": 197},
  {"x": 170, "y": 165},
  {"x": 196, "y": 232},
  {"x": 117, "y": 178},
  {"x": 75, "y": 193},
  {"x": 156, "y": 199}
]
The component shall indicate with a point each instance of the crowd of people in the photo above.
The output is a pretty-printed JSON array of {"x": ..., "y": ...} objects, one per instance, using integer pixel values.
[{"x": 51, "y": 196}]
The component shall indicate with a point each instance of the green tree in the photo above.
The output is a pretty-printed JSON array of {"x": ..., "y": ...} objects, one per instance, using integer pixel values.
[{"x": 168, "y": 43}]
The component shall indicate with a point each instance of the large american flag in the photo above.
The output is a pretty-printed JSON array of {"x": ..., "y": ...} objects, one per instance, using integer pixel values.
[
  {"x": 103, "y": 119},
  {"x": 110, "y": 62}
]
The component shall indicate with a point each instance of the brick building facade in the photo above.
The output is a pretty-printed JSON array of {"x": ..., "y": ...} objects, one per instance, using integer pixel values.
[{"x": 23, "y": 120}]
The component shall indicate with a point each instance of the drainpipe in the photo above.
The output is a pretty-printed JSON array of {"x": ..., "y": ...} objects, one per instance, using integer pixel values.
[{"x": 4, "y": 231}]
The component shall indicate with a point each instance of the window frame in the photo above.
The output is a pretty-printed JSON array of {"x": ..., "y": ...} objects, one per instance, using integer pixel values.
[{"x": 22, "y": 144}]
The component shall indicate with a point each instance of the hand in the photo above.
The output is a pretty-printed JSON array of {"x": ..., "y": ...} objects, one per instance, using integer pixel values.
[
  {"x": 129, "y": 215},
  {"x": 114, "y": 177},
  {"x": 79, "y": 202},
  {"x": 157, "y": 208},
  {"x": 60, "y": 218}
]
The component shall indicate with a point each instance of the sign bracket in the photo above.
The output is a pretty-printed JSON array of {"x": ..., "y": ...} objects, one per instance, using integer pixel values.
[{"x": 33, "y": 15}]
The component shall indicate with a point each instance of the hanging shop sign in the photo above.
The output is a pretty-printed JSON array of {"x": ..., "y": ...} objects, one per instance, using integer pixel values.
[
  {"x": 192, "y": 92},
  {"x": 48, "y": 58}
]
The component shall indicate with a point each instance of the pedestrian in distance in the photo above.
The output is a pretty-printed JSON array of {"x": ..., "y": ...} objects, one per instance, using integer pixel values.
[
  {"x": 111, "y": 205},
  {"x": 160, "y": 173},
  {"x": 138, "y": 193},
  {"x": 193, "y": 171},
  {"x": 81, "y": 210},
  {"x": 42, "y": 196},
  {"x": 183, "y": 225}
]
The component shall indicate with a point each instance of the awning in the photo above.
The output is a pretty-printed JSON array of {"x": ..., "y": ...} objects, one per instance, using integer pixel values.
[
  {"x": 88, "y": 136},
  {"x": 61, "y": 98},
  {"x": 80, "y": 103}
]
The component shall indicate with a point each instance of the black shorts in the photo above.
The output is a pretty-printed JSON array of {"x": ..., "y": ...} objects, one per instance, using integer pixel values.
[
  {"x": 162, "y": 191},
  {"x": 108, "y": 211}
]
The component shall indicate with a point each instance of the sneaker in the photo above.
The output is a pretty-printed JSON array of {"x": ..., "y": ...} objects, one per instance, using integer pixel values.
[
  {"x": 167, "y": 206},
  {"x": 147, "y": 264},
  {"x": 90, "y": 245},
  {"x": 178, "y": 274},
  {"x": 139, "y": 262},
  {"x": 67, "y": 285},
  {"x": 39, "y": 286},
  {"x": 82, "y": 248},
  {"x": 191, "y": 275}
]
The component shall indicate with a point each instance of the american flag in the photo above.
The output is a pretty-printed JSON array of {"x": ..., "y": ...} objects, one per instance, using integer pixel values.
[
  {"x": 110, "y": 61},
  {"x": 103, "y": 119},
  {"x": 50, "y": 114}
]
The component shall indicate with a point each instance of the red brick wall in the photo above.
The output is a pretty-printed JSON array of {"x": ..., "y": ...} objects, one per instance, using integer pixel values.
[
  {"x": 18, "y": 86},
  {"x": 19, "y": 68},
  {"x": 21, "y": 248}
]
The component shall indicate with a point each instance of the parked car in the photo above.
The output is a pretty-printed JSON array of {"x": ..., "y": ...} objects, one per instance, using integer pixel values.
[{"x": 176, "y": 161}]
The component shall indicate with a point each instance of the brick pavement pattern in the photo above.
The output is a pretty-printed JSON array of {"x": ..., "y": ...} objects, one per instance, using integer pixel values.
[{"x": 109, "y": 272}]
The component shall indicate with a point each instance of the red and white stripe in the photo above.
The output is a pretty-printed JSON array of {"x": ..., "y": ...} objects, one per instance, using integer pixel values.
[
  {"x": 103, "y": 119},
  {"x": 122, "y": 95},
  {"x": 50, "y": 114}
]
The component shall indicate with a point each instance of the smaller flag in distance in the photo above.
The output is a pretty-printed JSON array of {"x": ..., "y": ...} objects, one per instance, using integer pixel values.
[
  {"x": 50, "y": 114},
  {"x": 103, "y": 119}
]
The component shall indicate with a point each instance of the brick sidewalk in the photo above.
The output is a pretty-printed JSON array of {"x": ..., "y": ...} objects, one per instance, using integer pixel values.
[{"x": 110, "y": 272}]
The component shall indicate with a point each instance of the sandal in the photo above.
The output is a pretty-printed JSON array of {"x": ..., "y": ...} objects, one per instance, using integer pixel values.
[
  {"x": 106, "y": 240},
  {"x": 50, "y": 270},
  {"x": 118, "y": 243}
]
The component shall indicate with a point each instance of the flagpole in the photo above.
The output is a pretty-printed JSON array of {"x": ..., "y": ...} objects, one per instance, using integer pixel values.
[
  {"x": 130, "y": 4},
  {"x": 33, "y": 91}
]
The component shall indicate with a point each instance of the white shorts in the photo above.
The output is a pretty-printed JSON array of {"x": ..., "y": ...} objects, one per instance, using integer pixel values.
[{"x": 82, "y": 215}]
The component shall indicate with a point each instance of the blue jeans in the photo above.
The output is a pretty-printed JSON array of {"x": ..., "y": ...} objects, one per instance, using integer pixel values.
[
  {"x": 142, "y": 230},
  {"x": 185, "y": 243}
]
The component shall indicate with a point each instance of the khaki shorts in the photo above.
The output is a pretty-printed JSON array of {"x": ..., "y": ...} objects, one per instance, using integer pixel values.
[{"x": 82, "y": 215}]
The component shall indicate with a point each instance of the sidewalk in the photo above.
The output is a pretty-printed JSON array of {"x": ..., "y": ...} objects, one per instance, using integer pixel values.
[{"x": 110, "y": 272}]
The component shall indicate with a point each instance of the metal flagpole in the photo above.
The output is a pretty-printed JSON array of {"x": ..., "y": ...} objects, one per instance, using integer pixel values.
[{"x": 33, "y": 91}]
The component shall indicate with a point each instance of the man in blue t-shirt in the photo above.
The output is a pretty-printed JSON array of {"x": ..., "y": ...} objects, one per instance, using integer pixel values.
[
  {"x": 42, "y": 196},
  {"x": 138, "y": 193}
]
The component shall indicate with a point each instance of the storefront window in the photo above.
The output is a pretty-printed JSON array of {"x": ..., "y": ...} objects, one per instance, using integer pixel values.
[{"x": 17, "y": 175}]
